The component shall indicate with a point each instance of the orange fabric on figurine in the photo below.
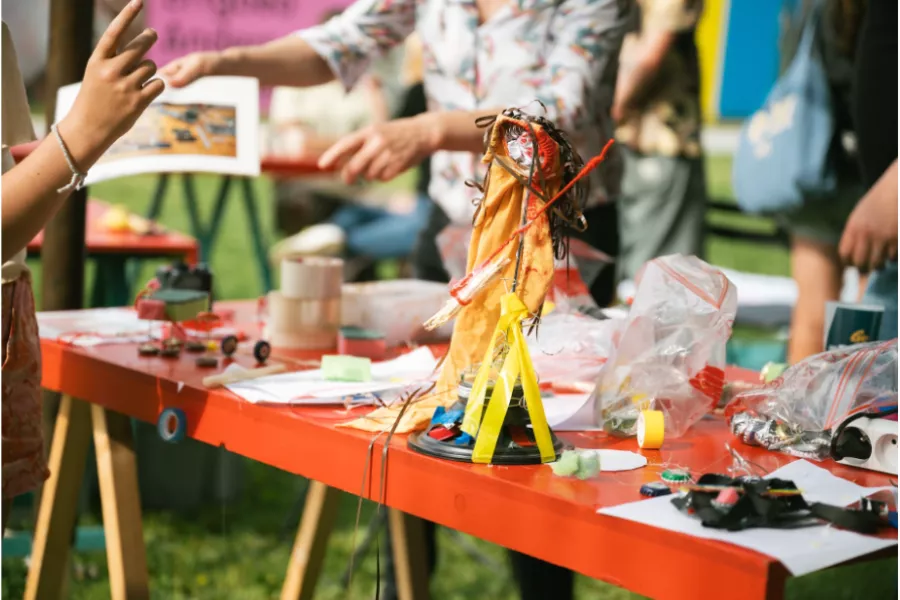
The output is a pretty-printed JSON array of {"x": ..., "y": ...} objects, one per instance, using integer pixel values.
[{"x": 519, "y": 228}]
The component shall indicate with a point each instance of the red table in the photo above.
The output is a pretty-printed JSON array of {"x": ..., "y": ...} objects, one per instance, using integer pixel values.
[
  {"x": 524, "y": 508},
  {"x": 99, "y": 241},
  {"x": 112, "y": 251}
]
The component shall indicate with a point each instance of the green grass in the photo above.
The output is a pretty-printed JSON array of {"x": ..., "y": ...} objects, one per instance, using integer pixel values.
[{"x": 240, "y": 550}]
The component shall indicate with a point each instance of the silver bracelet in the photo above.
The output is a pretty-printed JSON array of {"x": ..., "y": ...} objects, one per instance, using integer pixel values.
[{"x": 77, "y": 181}]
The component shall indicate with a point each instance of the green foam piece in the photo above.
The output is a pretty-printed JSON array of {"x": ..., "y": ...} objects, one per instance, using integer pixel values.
[
  {"x": 566, "y": 465},
  {"x": 588, "y": 465},
  {"x": 346, "y": 368}
]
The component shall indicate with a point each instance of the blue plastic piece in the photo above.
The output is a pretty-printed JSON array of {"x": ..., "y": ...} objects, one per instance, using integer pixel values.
[
  {"x": 892, "y": 518},
  {"x": 464, "y": 439},
  {"x": 450, "y": 417},
  {"x": 172, "y": 425},
  {"x": 438, "y": 415}
]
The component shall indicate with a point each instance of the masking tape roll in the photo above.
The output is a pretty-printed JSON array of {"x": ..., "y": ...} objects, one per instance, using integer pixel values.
[
  {"x": 290, "y": 315},
  {"x": 171, "y": 425},
  {"x": 650, "y": 429},
  {"x": 312, "y": 278}
]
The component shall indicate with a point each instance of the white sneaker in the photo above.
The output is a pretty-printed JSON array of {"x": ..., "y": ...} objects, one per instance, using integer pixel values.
[{"x": 325, "y": 239}]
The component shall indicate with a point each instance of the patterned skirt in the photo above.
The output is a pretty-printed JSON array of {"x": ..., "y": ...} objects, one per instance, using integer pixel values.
[{"x": 24, "y": 465}]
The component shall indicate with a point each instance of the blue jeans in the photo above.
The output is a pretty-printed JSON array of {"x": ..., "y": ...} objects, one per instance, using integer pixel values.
[
  {"x": 379, "y": 234},
  {"x": 882, "y": 291}
]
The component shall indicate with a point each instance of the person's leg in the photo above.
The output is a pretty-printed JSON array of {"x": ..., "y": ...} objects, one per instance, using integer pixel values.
[
  {"x": 389, "y": 589},
  {"x": 603, "y": 234},
  {"x": 350, "y": 216},
  {"x": 817, "y": 270},
  {"x": 385, "y": 235},
  {"x": 427, "y": 262},
  {"x": 539, "y": 580},
  {"x": 662, "y": 210}
]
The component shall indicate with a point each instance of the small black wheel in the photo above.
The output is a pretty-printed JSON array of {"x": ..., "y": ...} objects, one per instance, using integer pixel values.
[
  {"x": 261, "y": 351},
  {"x": 229, "y": 345}
]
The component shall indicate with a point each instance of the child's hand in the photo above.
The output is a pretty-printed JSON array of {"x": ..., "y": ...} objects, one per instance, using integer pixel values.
[{"x": 116, "y": 89}]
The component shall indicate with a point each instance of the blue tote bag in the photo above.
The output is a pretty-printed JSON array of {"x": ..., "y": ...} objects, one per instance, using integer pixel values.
[{"x": 783, "y": 153}]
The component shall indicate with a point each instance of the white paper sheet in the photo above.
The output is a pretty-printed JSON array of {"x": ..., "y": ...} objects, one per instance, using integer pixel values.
[
  {"x": 570, "y": 412},
  {"x": 96, "y": 326},
  {"x": 307, "y": 387},
  {"x": 210, "y": 126},
  {"x": 801, "y": 551},
  {"x": 619, "y": 460}
]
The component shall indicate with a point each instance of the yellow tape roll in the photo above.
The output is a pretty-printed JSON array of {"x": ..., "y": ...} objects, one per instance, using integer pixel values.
[{"x": 651, "y": 429}]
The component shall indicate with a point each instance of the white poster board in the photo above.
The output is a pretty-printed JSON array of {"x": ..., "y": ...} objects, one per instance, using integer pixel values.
[{"x": 210, "y": 126}]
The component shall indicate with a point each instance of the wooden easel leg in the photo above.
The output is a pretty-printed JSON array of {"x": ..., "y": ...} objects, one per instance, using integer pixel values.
[
  {"x": 59, "y": 501},
  {"x": 319, "y": 514},
  {"x": 410, "y": 560},
  {"x": 117, "y": 474}
]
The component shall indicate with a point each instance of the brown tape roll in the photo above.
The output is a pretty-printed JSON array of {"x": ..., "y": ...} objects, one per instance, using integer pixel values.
[{"x": 312, "y": 278}]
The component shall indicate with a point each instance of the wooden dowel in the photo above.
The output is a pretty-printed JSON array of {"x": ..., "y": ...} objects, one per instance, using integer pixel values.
[{"x": 223, "y": 379}]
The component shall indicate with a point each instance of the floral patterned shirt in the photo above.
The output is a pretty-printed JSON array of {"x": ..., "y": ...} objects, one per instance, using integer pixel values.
[{"x": 563, "y": 53}]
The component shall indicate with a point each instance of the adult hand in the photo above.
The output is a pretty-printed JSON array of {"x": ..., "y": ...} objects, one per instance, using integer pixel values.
[
  {"x": 117, "y": 88},
  {"x": 870, "y": 237},
  {"x": 385, "y": 150},
  {"x": 188, "y": 69}
]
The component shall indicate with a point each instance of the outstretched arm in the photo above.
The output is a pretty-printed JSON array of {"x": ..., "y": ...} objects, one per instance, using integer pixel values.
[
  {"x": 117, "y": 87},
  {"x": 341, "y": 48},
  {"x": 579, "y": 69}
]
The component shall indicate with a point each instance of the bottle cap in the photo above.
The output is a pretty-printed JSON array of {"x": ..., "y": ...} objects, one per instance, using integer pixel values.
[
  {"x": 676, "y": 475},
  {"x": 654, "y": 489}
]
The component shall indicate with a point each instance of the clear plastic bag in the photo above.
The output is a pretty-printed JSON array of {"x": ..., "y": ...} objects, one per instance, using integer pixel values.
[
  {"x": 568, "y": 349},
  {"x": 669, "y": 353},
  {"x": 820, "y": 392}
]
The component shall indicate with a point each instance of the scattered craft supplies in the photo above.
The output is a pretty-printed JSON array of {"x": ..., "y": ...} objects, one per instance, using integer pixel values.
[
  {"x": 395, "y": 308},
  {"x": 389, "y": 378},
  {"x": 95, "y": 326},
  {"x": 798, "y": 411},
  {"x": 802, "y": 550},
  {"x": 669, "y": 352}
]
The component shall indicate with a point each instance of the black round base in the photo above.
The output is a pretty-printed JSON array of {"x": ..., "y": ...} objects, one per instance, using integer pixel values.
[{"x": 506, "y": 453}]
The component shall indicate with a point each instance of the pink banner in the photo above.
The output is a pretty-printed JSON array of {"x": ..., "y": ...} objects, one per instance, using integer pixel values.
[{"x": 186, "y": 26}]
